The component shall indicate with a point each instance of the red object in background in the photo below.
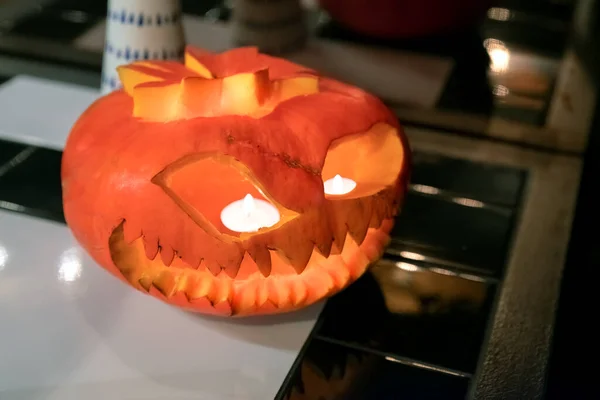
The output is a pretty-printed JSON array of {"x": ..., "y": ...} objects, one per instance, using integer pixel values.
[{"x": 396, "y": 19}]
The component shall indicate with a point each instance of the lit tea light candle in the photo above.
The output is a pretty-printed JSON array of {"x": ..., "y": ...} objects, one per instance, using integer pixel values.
[
  {"x": 249, "y": 215},
  {"x": 339, "y": 185}
]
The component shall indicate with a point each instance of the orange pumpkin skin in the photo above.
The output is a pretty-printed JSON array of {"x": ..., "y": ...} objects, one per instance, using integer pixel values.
[{"x": 147, "y": 169}]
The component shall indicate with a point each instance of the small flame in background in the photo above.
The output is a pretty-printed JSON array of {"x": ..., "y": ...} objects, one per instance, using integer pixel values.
[{"x": 499, "y": 55}]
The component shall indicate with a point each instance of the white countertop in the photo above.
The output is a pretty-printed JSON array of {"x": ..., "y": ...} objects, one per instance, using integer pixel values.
[{"x": 69, "y": 330}]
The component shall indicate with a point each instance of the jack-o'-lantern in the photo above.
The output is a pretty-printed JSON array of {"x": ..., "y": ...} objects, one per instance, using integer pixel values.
[{"x": 234, "y": 183}]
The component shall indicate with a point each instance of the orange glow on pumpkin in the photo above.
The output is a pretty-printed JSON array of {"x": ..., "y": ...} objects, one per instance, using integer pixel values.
[{"x": 148, "y": 169}]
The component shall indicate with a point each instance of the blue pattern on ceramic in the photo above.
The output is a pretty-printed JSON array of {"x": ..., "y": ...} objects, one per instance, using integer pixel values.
[
  {"x": 141, "y": 20},
  {"x": 111, "y": 81},
  {"x": 129, "y": 54}
]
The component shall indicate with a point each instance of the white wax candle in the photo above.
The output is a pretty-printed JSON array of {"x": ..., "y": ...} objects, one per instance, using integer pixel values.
[
  {"x": 249, "y": 215},
  {"x": 339, "y": 185}
]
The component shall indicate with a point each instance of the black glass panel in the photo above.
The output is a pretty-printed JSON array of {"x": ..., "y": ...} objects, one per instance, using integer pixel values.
[
  {"x": 480, "y": 84},
  {"x": 8, "y": 150},
  {"x": 95, "y": 8},
  {"x": 459, "y": 232},
  {"x": 199, "y": 8},
  {"x": 329, "y": 371},
  {"x": 32, "y": 185},
  {"x": 552, "y": 9},
  {"x": 405, "y": 311},
  {"x": 484, "y": 182},
  {"x": 60, "y": 26}
]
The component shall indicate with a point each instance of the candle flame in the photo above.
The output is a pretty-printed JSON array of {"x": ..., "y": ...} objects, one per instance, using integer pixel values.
[
  {"x": 338, "y": 185},
  {"x": 248, "y": 205}
]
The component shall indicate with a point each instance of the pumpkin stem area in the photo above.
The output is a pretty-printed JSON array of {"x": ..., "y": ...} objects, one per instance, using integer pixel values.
[{"x": 164, "y": 92}]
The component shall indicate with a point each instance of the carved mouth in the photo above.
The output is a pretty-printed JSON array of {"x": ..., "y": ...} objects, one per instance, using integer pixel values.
[{"x": 198, "y": 289}]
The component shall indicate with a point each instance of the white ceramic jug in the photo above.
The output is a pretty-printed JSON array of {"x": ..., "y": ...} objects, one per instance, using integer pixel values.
[{"x": 140, "y": 30}]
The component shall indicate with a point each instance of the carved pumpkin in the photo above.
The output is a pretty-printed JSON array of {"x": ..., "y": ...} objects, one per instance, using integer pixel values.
[{"x": 148, "y": 170}]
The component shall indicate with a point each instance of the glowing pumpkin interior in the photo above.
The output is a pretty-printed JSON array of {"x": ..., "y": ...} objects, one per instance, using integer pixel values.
[{"x": 148, "y": 169}]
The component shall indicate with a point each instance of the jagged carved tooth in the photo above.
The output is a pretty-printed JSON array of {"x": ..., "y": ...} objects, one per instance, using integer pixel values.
[
  {"x": 223, "y": 292},
  {"x": 166, "y": 282},
  {"x": 298, "y": 255},
  {"x": 213, "y": 266},
  {"x": 358, "y": 224},
  {"x": 224, "y": 308},
  {"x": 156, "y": 292},
  {"x": 340, "y": 274},
  {"x": 198, "y": 287},
  {"x": 262, "y": 293},
  {"x": 167, "y": 254},
  {"x": 190, "y": 259},
  {"x": 231, "y": 271},
  {"x": 318, "y": 284},
  {"x": 321, "y": 234},
  {"x": 279, "y": 290},
  {"x": 376, "y": 219},
  {"x": 151, "y": 247},
  {"x": 180, "y": 299},
  {"x": 262, "y": 257},
  {"x": 339, "y": 238},
  {"x": 145, "y": 283},
  {"x": 298, "y": 292},
  {"x": 324, "y": 248},
  {"x": 244, "y": 301},
  {"x": 130, "y": 232},
  {"x": 232, "y": 264}
]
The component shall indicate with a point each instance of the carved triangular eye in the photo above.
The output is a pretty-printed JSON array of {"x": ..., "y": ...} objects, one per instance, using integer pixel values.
[
  {"x": 363, "y": 164},
  {"x": 204, "y": 185}
]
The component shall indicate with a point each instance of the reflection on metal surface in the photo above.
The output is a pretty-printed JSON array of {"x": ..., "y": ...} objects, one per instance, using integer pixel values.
[
  {"x": 499, "y": 14},
  {"x": 409, "y": 289},
  {"x": 472, "y": 277},
  {"x": 407, "y": 266},
  {"x": 499, "y": 55},
  {"x": 463, "y": 201},
  {"x": 75, "y": 16},
  {"x": 16, "y": 160},
  {"x": 7, "y": 205},
  {"x": 425, "y": 189},
  {"x": 69, "y": 267},
  {"x": 3, "y": 257},
  {"x": 412, "y": 256},
  {"x": 329, "y": 373},
  {"x": 443, "y": 271},
  {"x": 426, "y": 366},
  {"x": 500, "y": 90}
]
